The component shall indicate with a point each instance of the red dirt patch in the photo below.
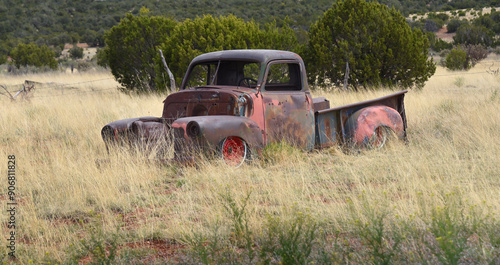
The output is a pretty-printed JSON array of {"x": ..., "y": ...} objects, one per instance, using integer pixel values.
[
  {"x": 163, "y": 250},
  {"x": 156, "y": 251},
  {"x": 442, "y": 34},
  {"x": 136, "y": 218}
]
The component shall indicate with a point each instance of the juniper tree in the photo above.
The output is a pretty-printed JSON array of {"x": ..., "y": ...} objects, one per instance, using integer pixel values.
[
  {"x": 32, "y": 54},
  {"x": 132, "y": 48},
  {"x": 375, "y": 41}
]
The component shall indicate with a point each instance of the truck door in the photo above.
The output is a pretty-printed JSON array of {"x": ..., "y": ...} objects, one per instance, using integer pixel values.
[{"x": 288, "y": 112}]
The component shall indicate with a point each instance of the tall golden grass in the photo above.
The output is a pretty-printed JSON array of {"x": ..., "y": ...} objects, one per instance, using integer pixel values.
[{"x": 62, "y": 184}]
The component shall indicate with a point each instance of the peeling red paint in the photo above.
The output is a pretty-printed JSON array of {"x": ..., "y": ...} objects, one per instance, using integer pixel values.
[{"x": 368, "y": 120}]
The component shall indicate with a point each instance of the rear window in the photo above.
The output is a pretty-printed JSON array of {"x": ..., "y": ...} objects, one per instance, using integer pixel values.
[{"x": 224, "y": 73}]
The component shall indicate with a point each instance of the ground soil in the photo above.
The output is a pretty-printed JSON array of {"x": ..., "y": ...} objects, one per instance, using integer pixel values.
[{"x": 444, "y": 35}]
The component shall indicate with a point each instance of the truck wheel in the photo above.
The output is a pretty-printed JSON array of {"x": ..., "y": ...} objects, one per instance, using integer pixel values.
[
  {"x": 381, "y": 136},
  {"x": 234, "y": 151}
]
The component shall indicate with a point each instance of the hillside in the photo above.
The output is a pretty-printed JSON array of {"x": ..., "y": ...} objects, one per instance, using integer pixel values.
[{"x": 55, "y": 22}]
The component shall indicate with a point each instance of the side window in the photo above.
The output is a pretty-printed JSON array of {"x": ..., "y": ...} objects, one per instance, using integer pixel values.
[{"x": 283, "y": 77}]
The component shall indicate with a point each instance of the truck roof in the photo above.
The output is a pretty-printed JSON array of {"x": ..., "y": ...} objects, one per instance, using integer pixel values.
[{"x": 261, "y": 56}]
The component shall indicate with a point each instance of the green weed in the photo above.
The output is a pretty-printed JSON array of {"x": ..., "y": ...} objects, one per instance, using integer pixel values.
[
  {"x": 290, "y": 241},
  {"x": 277, "y": 152},
  {"x": 100, "y": 247},
  {"x": 377, "y": 232},
  {"x": 205, "y": 249},
  {"x": 237, "y": 212},
  {"x": 459, "y": 81}
]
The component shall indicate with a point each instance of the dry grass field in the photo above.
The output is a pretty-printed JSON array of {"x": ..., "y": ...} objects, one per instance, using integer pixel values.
[{"x": 432, "y": 200}]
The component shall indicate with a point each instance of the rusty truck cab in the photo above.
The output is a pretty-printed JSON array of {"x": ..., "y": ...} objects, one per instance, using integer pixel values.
[{"x": 266, "y": 86}]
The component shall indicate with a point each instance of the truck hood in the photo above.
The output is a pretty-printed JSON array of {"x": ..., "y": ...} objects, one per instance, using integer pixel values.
[{"x": 203, "y": 101}]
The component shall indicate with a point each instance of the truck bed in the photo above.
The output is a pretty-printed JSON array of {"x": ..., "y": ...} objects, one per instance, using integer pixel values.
[{"x": 330, "y": 122}]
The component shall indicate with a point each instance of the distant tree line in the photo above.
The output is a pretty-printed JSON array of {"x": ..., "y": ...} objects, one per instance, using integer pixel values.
[{"x": 57, "y": 22}]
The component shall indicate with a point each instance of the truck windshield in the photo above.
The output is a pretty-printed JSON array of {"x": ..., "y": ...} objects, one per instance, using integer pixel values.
[{"x": 224, "y": 73}]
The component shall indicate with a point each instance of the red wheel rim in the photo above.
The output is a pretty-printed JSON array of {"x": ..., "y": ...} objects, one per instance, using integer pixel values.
[{"x": 234, "y": 151}]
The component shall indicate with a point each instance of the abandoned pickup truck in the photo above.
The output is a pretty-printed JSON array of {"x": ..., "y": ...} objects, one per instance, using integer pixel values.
[{"x": 236, "y": 102}]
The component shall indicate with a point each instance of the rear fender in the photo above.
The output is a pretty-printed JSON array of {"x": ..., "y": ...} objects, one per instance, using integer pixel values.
[
  {"x": 361, "y": 126},
  {"x": 212, "y": 130}
]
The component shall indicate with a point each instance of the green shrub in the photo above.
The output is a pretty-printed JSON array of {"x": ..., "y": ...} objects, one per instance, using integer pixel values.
[
  {"x": 76, "y": 52},
  {"x": 473, "y": 35},
  {"x": 454, "y": 24},
  {"x": 83, "y": 66},
  {"x": 238, "y": 214},
  {"x": 459, "y": 81},
  {"x": 476, "y": 53},
  {"x": 33, "y": 55},
  {"x": 444, "y": 52},
  {"x": 457, "y": 60}
]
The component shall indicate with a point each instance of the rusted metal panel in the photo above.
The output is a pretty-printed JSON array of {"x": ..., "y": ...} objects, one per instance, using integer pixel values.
[
  {"x": 289, "y": 118},
  {"x": 146, "y": 132},
  {"x": 320, "y": 103},
  {"x": 287, "y": 103},
  {"x": 327, "y": 129},
  {"x": 151, "y": 130},
  {"x": 201, "y": 103},
  {"x": 113, "y": 129}
]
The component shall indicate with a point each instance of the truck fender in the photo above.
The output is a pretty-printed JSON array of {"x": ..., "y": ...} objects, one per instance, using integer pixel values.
[
  {"x": 371, "y": 126},
  {"x": 212, "y": 130},
  {"x": 122, "y": 131}
]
